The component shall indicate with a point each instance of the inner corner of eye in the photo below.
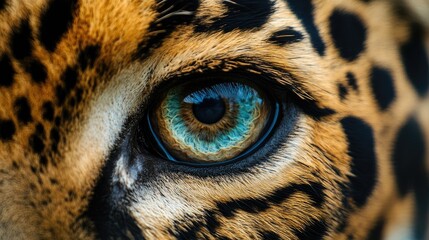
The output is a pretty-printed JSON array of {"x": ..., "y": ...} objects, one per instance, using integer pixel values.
[{"x": 211, "y": 123}]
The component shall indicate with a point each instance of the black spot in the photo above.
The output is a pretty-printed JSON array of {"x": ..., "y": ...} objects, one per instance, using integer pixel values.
[
  {"x": 71, "y": 194},
  {"x": 72, "y": 101},
  {"x": 409, "y": 152},
  {"x": 2, "y": 4},
  {"x": 43, "y": 161},
  {"x": 190, "y": 232},
  {"x": 314, "y": 231},
  {"x": 240, "y": 15},
  {"x": 53, "y": 181},
  {"x": 342, "y": 91},
  {"x": 37, "y": 71},
  {"x": 15, "y": 165},
  {"x": 78, "y": 95},
  {"x": 415, "y": 60},
  {"x": 348, "y": 34},
  {"x": 7, "y": 71},
  {"x": 40, "y": 130},
  {"x": 7, "y": 129},
  {"x": 54, "y": 147},
  {"x": 70, "y": 78},
  {"x": 401, "y": 10},
  {"x": 250, "y": 205},
  {"x": 286, "y": 36},
  {"x": 311, "y": 108},
  {"x": 21, "y": 40},
  {"x": 223, "y": 238},
  {"x": 36, "y": 143},
  {"x": 383, "y": 87},
  {"x": 207, "y": 221},
  {"x": 33, "y": 169},
  {"x": 55, "y": 139},
  {"x": 55, "y": 135},
  {"x": 410, "y": 170},
  {"x": 351, "y": 80},
  {"x": 57, "y": 121},
  {"x": 23, "y": 110},
  {"x": 361, "y": 149},
  {"x": 163, "y": 27},
  {"x": 314, "y": 190},
  {"x": 254, "y": 205},
  {"x": 422, "y": 198},
  {"x": 48, "y": 111},
  {"x": 304, "y": 10},
  {"x": 88, "y": 56},
  {"x": 376, "y": 233},
  {"x": 60, "y": 92},
  {"x": 55, "y": 21},
  {"x": 65, "y": 115},
  {"x": 269, "y": 235},
  {"x": 211, "y": 222}
]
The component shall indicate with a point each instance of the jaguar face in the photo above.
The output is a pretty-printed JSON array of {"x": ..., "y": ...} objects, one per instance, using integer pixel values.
[{"x": 210, "y": 119}]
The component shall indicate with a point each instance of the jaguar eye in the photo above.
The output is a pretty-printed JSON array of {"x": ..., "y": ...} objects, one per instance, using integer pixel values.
[{"x": 212, "y": 123}]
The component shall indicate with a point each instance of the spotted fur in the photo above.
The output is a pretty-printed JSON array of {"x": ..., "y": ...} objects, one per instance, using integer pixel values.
[{"x": 349, "y": 161}]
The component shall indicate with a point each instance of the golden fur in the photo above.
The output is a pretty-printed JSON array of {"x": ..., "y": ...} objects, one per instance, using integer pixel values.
[{"x": 49, "y": 201}]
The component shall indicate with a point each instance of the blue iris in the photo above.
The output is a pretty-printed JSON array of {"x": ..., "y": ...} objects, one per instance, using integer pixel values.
[{"x": 235, "y": 105}]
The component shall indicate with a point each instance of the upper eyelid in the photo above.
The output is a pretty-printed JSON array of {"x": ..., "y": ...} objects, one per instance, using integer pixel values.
[{"x": 278, "y": 77}]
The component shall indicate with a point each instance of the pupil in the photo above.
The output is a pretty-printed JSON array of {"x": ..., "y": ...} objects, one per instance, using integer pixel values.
[{"x": 210, "y": 110}]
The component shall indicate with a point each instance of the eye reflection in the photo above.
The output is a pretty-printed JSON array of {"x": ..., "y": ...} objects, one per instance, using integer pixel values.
[{"x": 210, "y": 124}]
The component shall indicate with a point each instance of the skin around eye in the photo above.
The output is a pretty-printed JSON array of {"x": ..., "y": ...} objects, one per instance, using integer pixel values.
[{"x": 210, "y": 124}]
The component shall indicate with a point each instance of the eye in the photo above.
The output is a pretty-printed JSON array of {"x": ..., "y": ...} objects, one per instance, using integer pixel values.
[{"x": 216, "y": 122}]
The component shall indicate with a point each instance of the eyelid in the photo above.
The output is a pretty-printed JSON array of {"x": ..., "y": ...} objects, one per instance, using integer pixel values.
[
  {"x": 274, "y": 78},
  {"x": 277, "y": 77}
]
